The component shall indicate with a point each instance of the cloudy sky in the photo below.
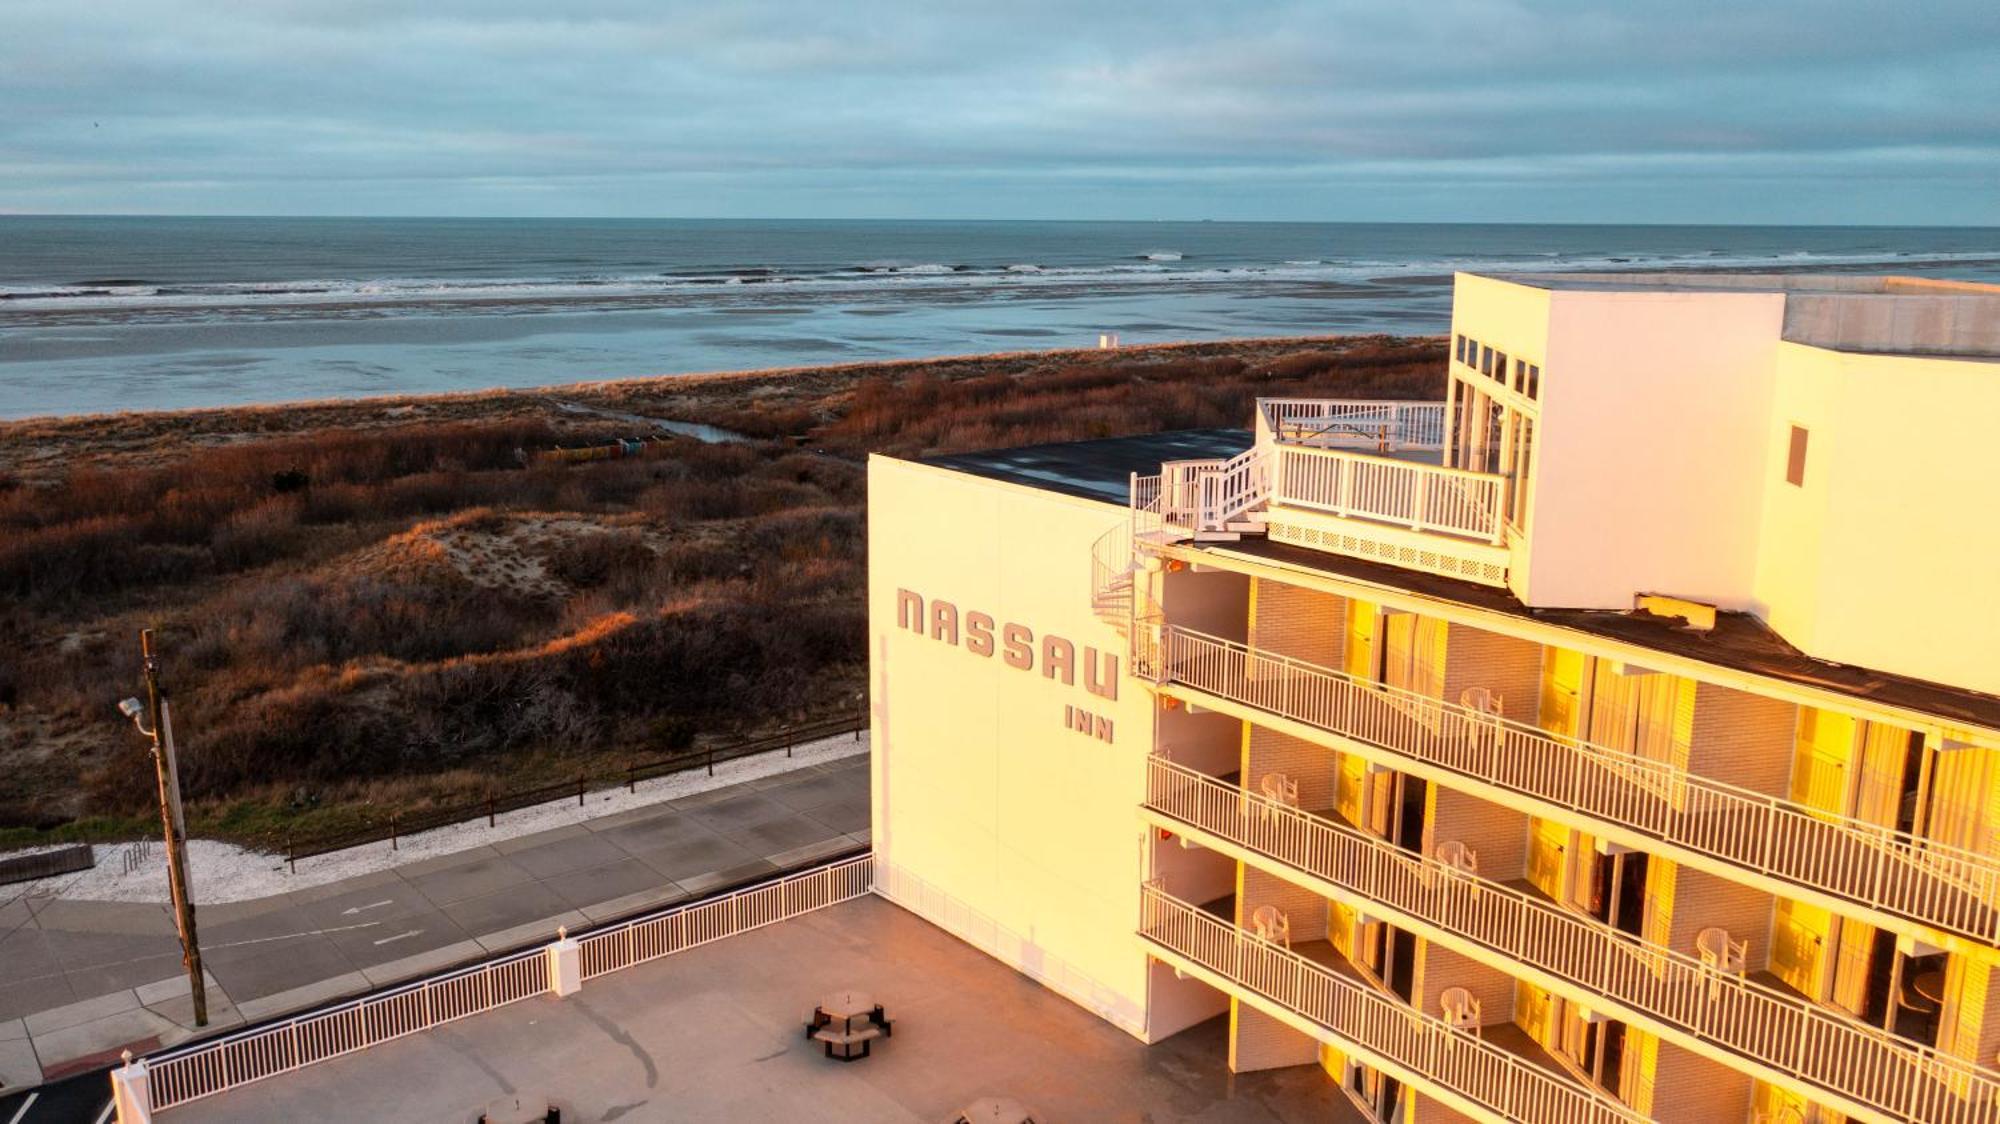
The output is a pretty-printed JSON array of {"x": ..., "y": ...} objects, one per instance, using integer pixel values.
[{"x": 1837, "y": 111}]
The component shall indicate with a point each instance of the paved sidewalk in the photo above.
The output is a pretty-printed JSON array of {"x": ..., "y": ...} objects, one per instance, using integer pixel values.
[{"x": 79, "y": 981}]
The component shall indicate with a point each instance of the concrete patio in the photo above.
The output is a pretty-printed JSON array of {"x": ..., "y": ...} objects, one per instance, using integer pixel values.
[{"x": 715, "y": 1034}]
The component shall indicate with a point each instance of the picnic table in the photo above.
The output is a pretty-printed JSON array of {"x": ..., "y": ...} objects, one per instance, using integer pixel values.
[
  {"x": 845, "y": 1021},
  {"x": 994, "y": 1110}
]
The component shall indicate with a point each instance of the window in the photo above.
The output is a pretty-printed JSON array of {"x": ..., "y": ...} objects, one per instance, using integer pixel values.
[
  {"x": 1460, "y": 353},
  {"x": 1485, "y": 360},
  {"x": 1795, "y": 460},
  {"x": 1533, "y": 389},
  {"x": 1500, "y": 367}
]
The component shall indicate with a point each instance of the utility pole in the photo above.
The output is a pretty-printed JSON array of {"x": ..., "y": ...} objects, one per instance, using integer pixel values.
[{"x": 173, "y": 826}]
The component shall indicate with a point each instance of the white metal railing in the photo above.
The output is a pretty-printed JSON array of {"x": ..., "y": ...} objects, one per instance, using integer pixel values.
[
  {"x": 1878, "y": 868},
  {"x": 1111, "y": 575},
  {"x": 1385, "y": 424},
  {"x": 178, "y": 1076},
  {"x": 1422, "y": 497},
  {"x": 689, "y": 926},
  {"x": 1180, "y": 492},
  {"x": 1237, "y": 485},
  {"x": 1776, "y": 1029},
  {"x": 1372, "y": 1021}
]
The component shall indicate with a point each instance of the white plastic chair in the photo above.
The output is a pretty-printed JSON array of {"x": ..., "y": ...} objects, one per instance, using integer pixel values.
[
  {"x": 1461, "y": 1009},
  {"x": 1272, "y": 925},
  {"x": 1722, "y": 954},
  {"x": 1278, "y": 789},
  {"x": 1483, "y": 701},
  {"x": 1458, "y": 856}
]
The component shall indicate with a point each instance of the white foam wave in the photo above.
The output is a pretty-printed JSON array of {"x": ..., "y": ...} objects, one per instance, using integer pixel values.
[{"x": 1155, "y": 268}]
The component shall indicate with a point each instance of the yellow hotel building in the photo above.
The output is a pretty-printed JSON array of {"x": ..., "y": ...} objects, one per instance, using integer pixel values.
[{"x": 1617, "y": 739}]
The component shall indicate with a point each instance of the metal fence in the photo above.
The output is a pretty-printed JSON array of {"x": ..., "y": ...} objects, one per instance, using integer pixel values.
[
  {"x": 396, "y": 825},
  {"x": 176, "y": 1077}
]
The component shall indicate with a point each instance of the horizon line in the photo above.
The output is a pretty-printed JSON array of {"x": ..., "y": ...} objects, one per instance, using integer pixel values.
[{"x": 5, "y": 214}]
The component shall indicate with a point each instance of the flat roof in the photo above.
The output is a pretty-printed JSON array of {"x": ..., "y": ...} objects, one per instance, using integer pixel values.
[
  {"x": 1722, "y": 281},
  {"x": 1101, "y": 469},
  {"x": 1869, "y": 314},
  {"x": 1740, "y": 641},
  {"x": 716, "y": 1033}
]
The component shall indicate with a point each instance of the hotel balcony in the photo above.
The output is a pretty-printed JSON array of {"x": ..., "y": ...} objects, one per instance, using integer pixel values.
[
  {"x": 1493, "y": 1073},
  {"x": 1765, "y": 1031},
  {"x": 1360, "y": 478},
  {"x": 1905, "y": 882}
]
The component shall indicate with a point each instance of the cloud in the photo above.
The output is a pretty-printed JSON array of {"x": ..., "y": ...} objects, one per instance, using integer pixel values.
[{"x": 1475, "y": 109}]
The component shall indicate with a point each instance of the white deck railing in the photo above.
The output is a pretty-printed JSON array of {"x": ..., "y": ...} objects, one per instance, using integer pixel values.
[
  {"x": 202, "y": 1069},
  {"x": 1386, "y": 424},
  {"x": 1237, "y": 485},
  {"x": 1422, "y": 1045},
  {"x": 1422, "y": 497},
  {"x": 1777, "y": 1030},
  {"x": 1858, "y": 863}
]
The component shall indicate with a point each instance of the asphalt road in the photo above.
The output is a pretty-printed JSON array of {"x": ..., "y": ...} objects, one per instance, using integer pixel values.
[{"x": 65, "y": 965}]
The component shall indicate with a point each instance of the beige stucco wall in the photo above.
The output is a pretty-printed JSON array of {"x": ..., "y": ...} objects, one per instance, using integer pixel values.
[
  {"x": 992, "y": 818},
  {"x": 1650, "y": 451},
  {"x": 1887, "y": 555}
]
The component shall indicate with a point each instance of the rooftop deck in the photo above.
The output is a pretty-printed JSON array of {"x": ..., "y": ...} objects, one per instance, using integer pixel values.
[{"x": 714, "y": 1034}]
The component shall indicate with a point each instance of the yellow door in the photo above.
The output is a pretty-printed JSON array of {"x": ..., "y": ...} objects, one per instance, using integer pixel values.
[
  {"x": 1562, "y": 691},
  {"x": 1363, "y": 624}
]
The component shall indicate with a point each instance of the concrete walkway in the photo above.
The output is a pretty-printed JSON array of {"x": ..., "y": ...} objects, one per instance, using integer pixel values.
[{"x": 80, "y": 981}]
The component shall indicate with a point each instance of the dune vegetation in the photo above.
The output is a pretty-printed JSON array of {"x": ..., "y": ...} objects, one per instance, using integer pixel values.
[{"x": 386, "y": 604}]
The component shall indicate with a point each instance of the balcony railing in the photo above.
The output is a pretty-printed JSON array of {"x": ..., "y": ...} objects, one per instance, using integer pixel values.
[
  {"x": 1776, "y": 1030},
  {"x": 1423, "y": 497},
  {"x": 1894, "y": 873},
  {"x": 1421, "y": 1045},
  {"x": 1387, "y": 424}
]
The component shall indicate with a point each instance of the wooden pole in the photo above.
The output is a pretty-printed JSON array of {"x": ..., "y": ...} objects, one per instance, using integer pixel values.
[{"x": 168, "y": 773}]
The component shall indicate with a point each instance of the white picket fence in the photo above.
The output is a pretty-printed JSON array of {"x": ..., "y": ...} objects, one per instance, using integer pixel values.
[{"x": 202, "y": 1069}]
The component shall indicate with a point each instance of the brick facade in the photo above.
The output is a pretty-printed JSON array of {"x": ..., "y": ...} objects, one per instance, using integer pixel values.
[
  {"x": 1304, "y": 624},
  {"x": 1506, "y": 665},
  {"x": 1743, "y": 739}
]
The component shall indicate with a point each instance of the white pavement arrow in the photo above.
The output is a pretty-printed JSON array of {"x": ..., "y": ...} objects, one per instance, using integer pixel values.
[
  {"x": 352, "y": 910},
  {"x": 400, "y": 936}
]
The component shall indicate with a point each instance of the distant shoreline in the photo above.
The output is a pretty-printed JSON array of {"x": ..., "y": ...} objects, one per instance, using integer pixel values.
[{"x": 37, "y": 447}]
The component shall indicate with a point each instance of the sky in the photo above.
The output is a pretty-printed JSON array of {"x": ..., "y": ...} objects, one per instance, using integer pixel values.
[{"x": 1776, "y": 111}]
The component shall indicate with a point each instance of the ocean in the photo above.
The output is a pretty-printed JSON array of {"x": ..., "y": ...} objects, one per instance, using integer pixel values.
[{"x": 122, "y": 313}]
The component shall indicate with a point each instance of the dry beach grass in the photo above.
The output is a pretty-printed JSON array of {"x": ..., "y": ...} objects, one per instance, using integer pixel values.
[{"x": 383, "y": 603}]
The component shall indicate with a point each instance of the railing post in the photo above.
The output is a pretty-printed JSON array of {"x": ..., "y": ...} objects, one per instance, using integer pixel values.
[
  {"x": 1417, "y": 497},
  {"x": 565, "y": 964},
  {"x": 131, "y": 1092},
  {"x": 489, "y": 807}
]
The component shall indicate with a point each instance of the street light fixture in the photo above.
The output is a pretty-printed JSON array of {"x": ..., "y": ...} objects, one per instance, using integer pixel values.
[{"x": 173, "y": 827}]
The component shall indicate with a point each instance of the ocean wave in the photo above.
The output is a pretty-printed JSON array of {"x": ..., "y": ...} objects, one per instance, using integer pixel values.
[{"x": 415, "y": 294}]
